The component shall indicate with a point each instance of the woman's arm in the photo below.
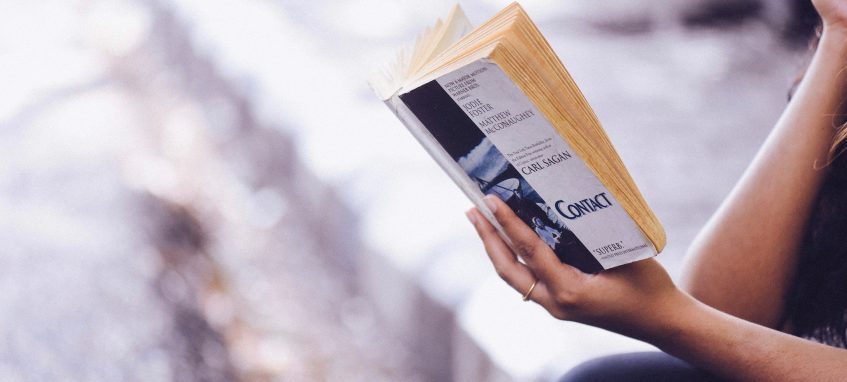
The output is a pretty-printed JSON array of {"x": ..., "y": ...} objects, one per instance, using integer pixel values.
[
  {"x": 639, "y": 300},
  {"x": 740, "y": 350},
  {"x": 742, "y": 260}
]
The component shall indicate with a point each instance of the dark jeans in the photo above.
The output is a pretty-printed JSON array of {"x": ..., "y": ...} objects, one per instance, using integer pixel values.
[{"x": 637, "y": 367}]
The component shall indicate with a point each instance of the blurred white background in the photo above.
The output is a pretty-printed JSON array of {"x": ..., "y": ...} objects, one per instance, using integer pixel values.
[{"x": 208, "y": 190}]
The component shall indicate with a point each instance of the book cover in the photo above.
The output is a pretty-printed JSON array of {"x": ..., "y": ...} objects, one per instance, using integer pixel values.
[{"x": 487, "y": 134}]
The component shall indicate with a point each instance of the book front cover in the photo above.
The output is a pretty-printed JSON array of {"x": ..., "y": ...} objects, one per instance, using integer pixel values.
[{"x": 508, "y": 148}]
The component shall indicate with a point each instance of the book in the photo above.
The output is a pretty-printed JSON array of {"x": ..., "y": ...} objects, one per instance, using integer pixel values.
[{"x": 498, "y": 111}]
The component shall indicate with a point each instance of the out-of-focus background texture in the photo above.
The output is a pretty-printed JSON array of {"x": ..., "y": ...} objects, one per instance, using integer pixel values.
[{"x": 208, "y": 190}]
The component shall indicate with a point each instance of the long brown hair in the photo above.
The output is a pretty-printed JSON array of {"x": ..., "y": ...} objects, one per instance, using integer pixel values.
[
  {"x": 817, "y": 299},
  {"x": 838, "y": 140},
  {"x": 816, "y": 305}
]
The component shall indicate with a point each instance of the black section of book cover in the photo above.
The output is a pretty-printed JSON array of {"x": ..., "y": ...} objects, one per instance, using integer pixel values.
[{"x": 485, "y": 165}]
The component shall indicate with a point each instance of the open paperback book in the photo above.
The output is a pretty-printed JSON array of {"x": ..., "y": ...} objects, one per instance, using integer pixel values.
[{"x": 495, "y": 107}]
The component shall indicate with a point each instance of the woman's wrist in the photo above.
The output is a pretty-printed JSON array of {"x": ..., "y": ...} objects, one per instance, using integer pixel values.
[
  {"x": 684, "y": 313},
  {"x": 668, "y": 320},
  {"x": 655, "y": 320},
  {"x": 834, "y": 37}
]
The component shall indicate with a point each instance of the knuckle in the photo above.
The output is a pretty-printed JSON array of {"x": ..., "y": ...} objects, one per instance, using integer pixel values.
[
  {"x": 566, "y": 299},
  {"x": 527, "y": 248},
  {"x": 502, "y": 273},
  {"x": 484, "y": 226},
  {"x": 512, "y": 223},
  {"x": 484, "y": 236},
  {"x": 523, "y": 249},
  {"x": 559, "y": 314},
  {"x": 483, "y": 231}
]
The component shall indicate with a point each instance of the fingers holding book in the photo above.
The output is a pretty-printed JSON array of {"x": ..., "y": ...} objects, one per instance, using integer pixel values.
[
  {"x": 531, "y": 268},
  {"x": 527, "y": 245},
  {"x": 506, "y": 264},
  {"x": 614, "y": 299}
]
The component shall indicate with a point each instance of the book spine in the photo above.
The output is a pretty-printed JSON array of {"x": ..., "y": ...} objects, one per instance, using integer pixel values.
[{"x": 489, "y": 137}]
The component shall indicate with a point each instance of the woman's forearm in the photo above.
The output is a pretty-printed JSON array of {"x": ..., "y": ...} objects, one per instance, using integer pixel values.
[
  {"x": 742, "y": 261},
  {"x": 740, "y": 350}
]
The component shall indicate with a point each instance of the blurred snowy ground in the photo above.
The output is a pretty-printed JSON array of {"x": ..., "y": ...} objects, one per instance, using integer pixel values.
[{"x": 207, "y": 190}]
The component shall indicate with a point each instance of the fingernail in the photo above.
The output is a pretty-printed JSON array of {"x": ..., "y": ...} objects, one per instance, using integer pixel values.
[
  {"x": 471, "y": 216},
  {"x": 490, "y": 202}
]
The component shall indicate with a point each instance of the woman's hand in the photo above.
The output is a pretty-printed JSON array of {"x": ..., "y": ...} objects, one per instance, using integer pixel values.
[
  {"x": 639, "y": 300},
  {"x": 629, "y": 299},
  {"x": 833, "y": 13}
]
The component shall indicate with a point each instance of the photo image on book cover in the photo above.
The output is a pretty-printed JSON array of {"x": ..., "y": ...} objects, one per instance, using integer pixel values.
[
  {"x": 488, "y": 167},
  {"x": 495, "y": 176}
]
